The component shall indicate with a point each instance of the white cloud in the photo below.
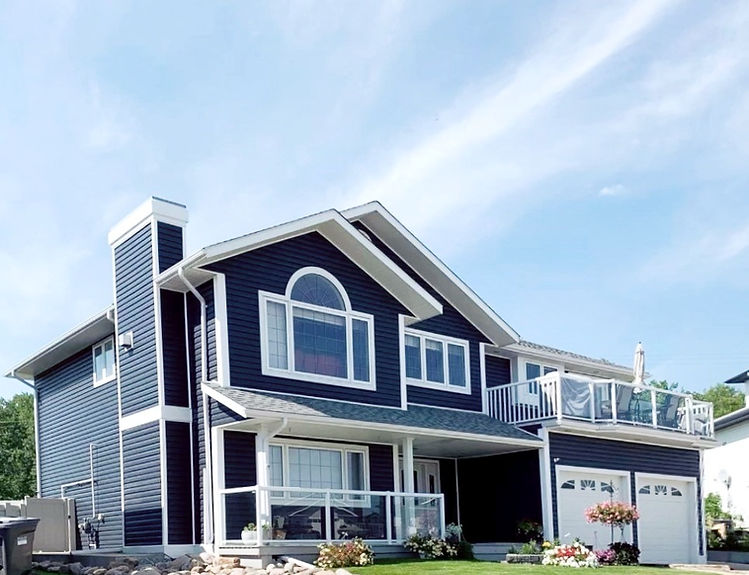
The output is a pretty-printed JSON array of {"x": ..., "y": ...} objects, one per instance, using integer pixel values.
[
  {"x": 614, "y": 190},
  {"x": 443, "y": 165}
]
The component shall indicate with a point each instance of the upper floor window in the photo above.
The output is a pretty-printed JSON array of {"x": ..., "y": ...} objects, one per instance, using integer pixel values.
[
  {"x": 312, "y": 333},
  {"x": 104, "y": 361},
  {"x": 534, "y": 371},
  {"x": 436, "y": 361}
]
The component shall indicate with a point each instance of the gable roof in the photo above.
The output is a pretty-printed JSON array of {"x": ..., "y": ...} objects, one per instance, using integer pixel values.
[
  {"x": 738, "y": 416},
  {"x": 742, "y": 377},
  {"x": 408, "y": 247},
  {"x": 337, "y": 230},
  {"x": 86, "y": 334},
  {"x": 252, "y": 403}
]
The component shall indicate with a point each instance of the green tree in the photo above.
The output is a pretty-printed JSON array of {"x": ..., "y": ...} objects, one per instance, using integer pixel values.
[
  {"x": 724, "y": 398},
  {"x": 17, "y": 455}
]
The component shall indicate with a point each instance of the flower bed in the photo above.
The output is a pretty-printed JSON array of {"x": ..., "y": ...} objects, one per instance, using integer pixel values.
[{"x": 572, "y": 555}]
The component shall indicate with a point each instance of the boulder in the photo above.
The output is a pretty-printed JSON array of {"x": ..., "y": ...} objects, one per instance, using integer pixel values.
[
  {"x": 100, "y": 571},
  {"x": 75, "y": 568},
  {"x": 342, "y": 572},
  {"x": 181, "y": 563}
]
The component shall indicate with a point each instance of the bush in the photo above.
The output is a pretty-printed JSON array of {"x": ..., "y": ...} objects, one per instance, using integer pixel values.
[
  {"x": 606, "y": 557},
  {"x": 354, "y": 553},
  {"x": 530, "y": 529},
  {"x": 429, "y": 547},
  {"x": 530, "y": 548},
  {"x": 454, "y": 536},
  {"x": 626, "y": 553}
]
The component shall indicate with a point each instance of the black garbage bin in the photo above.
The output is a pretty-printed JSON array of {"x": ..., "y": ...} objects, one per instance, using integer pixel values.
[{"x": 16, "y": 544}]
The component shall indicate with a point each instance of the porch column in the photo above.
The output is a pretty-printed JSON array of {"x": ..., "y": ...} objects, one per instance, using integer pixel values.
[
  {"x": 262, "y": 466},
  {"x": 407, "y": 447}
]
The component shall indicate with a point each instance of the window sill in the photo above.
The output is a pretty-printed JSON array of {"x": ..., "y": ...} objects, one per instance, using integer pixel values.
[
  {"x": 103, "y": 381},
  {"x": 439, "y": 386},
  {"x": 324, "y": 379}
]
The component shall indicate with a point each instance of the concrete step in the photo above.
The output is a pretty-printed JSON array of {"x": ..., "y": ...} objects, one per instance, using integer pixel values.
[{"x": 492, "y": 551}]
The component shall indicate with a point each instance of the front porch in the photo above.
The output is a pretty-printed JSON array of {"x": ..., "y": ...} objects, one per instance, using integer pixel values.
[{"x": 304, "y": 481}]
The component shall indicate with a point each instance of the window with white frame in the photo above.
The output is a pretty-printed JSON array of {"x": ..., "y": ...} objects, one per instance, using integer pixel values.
[
  {"x": 104, "y": 361},
  {"x": 318, "y": 466},
  {"x": 535, "y": 370},
  {"x": 312, "y": 333},
  {"x": 438, "y": 361}
]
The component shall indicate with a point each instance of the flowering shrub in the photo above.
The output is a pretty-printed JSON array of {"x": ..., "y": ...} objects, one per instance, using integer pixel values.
[
  {"x": 573, "y": 555},
  {"x": 606, "y": 557},
  {"x": 347, "y": 554},
  {"x": 615, "y": 513},
  {"x": 626, "y": 553},
  {"x": 429, "y": 547},
  {"x": 454, "y": 536}
]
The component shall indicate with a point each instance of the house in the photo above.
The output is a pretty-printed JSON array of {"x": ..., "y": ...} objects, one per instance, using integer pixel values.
[
  {"x": 726, "y": 468},
  {"x": 330, "y": 377}
]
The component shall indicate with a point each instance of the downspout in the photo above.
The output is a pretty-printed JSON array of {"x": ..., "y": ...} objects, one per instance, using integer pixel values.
[
  {"x": 36, "y": 431},
  {"x": 207, "y": 500}
]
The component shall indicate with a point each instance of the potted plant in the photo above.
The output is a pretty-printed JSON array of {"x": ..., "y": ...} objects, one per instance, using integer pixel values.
[{"x": 249, "y": 533}]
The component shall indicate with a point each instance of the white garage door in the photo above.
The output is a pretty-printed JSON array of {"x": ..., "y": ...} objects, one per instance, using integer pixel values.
[
  {"x": 578, "y": 490},
  {"x": 666, "y": 529}
]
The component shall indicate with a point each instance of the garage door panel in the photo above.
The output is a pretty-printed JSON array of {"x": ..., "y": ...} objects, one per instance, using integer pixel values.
[
  {"x": 578, "y": 490},
  {"x": 666, "y": 528}
]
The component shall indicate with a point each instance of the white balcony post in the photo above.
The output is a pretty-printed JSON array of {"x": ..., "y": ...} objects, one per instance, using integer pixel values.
[
  {"x": 262, "y": 455},
  {"x": 614, "y": 405},
  {"x": 558, "y": 385},
  {"x": 328, "y": 518},
  {"x": 408, "y": 484},
  {"x": 442, "y": 514},
  {"x": 592, "y": 396},
  {"x": 654, "y": 408},
  {"x": 389, "y": 517},
  {"x": 689, "y": 407}
]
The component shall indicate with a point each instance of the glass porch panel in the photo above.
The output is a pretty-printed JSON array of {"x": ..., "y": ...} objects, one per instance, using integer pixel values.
[
  {"x": 240, "y": 509},
  {"x": 417, "y": 514},
  {"x": 576, "y": 397},
  {"x": 363, "y": 517},
  {"x": 671, "y": 410},
  {"x": 298, "y": 516},
  {"x": 602, "y": 401}
]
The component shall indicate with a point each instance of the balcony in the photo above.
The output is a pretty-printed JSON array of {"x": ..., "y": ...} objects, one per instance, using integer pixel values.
[
  {"x": 564, "y": 396},
  {"x": 299, "y": 515}
]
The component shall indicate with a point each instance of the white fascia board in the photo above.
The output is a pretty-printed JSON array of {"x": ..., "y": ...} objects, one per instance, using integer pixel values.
[
  {"x": 398, "y": 238},
  {"x": 336, "y": 229},
  {"x": 591, "y": 367},
  {"x": 162, "y": 210},
  {"x": 83, "y": 335},
  {"x": 532, "y": 440},
  {"x": 630, "y": 434}
]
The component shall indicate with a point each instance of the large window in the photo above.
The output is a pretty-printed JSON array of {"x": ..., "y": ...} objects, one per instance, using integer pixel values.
[
  {"x": 436, "y": 361},
  {"x": 534, "y": 371},
  {"x": 104, "y": 361},
  {"x": 318, "y": 466},
  {"x": 312, "y": 333}
]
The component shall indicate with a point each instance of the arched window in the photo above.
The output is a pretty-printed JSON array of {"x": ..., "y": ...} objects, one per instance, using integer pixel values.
[{"x": 312, "y": 333}]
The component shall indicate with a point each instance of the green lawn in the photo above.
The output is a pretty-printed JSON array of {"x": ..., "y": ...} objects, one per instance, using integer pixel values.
[{"x": 416, "y": 567}]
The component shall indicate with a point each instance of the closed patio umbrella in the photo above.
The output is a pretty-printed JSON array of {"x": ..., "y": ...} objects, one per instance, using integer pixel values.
[{"x": 639, "y": 367}]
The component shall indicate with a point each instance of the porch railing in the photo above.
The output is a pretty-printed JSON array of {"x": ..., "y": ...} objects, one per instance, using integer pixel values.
[
  {"x": 296, "y": 514},
  {"x": 565, "y": 396}
]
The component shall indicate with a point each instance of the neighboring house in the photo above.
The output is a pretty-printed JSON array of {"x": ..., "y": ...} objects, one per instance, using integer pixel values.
[
  {"x": 330, "y": 377},
  {"x": 727, "y": 466}
]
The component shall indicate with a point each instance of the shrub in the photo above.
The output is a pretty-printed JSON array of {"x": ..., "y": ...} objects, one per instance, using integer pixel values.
[
  {"x": 626, "y": 553},
  {"x": 530, "y": 548},
  {"x": 530, "y": 529},
  {"x": 454, "y": 536},
  {"x": 429, "y": 547},
  {"x": 354, "y": 553},
  {"x": 573, "y": 555}
]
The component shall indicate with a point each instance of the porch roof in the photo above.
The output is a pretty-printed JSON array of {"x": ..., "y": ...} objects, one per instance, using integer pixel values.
[{"x": 252, "y": 403}]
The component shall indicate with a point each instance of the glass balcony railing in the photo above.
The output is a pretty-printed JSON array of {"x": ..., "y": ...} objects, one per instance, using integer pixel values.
[{"x": 565, "y": 396}]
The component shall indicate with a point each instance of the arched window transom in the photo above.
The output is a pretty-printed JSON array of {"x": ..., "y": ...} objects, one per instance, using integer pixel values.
[{"x": 311, "y": 332}]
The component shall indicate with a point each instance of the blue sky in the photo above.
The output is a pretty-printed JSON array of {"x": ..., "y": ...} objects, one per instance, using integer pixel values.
[{"x": 582, "y": 165}]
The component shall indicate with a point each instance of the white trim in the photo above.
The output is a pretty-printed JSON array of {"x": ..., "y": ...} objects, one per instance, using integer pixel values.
[
  {"x": 700, "y": 493},
  {"x": 544, "y": 465},
  {"x": 119, "y": 392},
  {"x": 38, "y": 446},
  {"x": 464, "y": 295},
  {"x": 221, "y": 323},
  {"x": 694, "y": 553},
  {"x": 594, "y": 470},
  {"x": 156, "y": 413},
  {"x": 164, "y": 210},
  {"x": 301, "y": 272},
  {"x": 157, "y": 317},
  {"x": 219, "y": 482},
  {"x": 290, "y": 372},
  {"x": 445, "y": 341},
  {"x": 337, "y": 422},
  {"x": 570, "y": 363},
  {"x": 482, "y": 369},
  {"x": 630, "y": 433},
  {"x": 402, "y": 348},
  {"x": 396, "y": 469},
  {"x": 115, "y": 366}
]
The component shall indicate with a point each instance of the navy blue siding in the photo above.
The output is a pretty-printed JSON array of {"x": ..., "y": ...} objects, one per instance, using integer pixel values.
[
  {"x": 179, "y": 484},
  {"x": 497, "y": 371},
  {"x": 496, "y": 493},
  {"x": 169, "y": 244},
  {"x": 135, "y": 312},
  {"x": 447, "y": 484},
  {"x": 633, "y": 457},
  {"x": 142, "y": 485},
  {"x": 381, "y": 468},
  {"x": 451, "y": 323},
  {"x": 194, "y": 329},
  {"x": 72, "y": 415},
  {"x": 173, "y": 342},
  {"x": 239, "y": 471},
  {"x": 269, "y": 269}
]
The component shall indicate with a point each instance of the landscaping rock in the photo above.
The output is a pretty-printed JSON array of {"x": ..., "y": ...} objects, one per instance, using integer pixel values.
[
  {"x": 101, "y": 571},
  {"x": 277, "y": 571},
  {"x": 146, "y": 571},
  {"x": 64, "y": 568},
  {"x": 342, "y": 572},
  {"x": 181, "y": 563},
  {"x": 75, "y": 568},
  {"x": 53, "y": 568}
]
